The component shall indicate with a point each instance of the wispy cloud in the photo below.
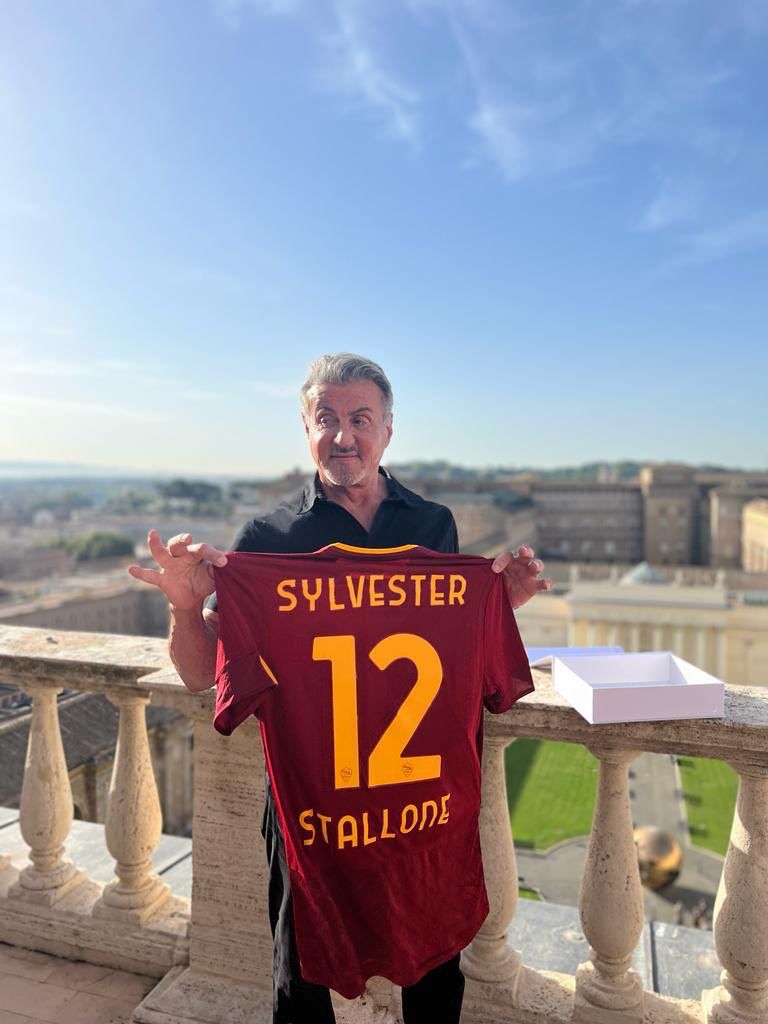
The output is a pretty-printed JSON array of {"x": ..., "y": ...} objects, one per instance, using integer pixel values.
[
  {"x": 556, "y": 93},
  {"x": 209, "y": 278},
  {"x": 261, "y": 387},
  {"x": 552, "y": 92},
  {"x": 362, "y": 73},
  {"x": 121, "y": 365},
  {"x": 73, "y": 368},
  {"x": 352, "y": 62},
  {"x": 27, "y": 328},
  {"x": 113, "y": 371},
  {"x": 233, "y": 12},
  {"x": 23, "y": 405},
  {"x": 201, "y": 395},
  {"x": 675, "y": 203},
  {"x": 746, "y": 234}
]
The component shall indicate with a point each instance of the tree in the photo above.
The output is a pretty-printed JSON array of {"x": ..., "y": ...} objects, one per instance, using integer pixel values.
[
  {"x": 197, "y": 490},
  {"x": 100, "y": 544}
]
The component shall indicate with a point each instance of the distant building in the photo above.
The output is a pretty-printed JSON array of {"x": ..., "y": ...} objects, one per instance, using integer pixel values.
[
  {"x": 488, "y": 521},
  {"x": 670, "y": 496},
  {"x": 671, "y": 514},
  {"x": 22, "y": 562},
  {"x": 727, "y": 504},
  {"x": 585, "y": 521},
  {"x": 102, "y": 603},
  {"x": 754, "y": 539}
]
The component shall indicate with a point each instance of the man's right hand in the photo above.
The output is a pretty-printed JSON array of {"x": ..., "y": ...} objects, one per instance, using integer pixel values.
[{"x": 185, "y": 573}]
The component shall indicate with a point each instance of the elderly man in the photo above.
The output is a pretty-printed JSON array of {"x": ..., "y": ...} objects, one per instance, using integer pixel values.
[{"x": 347, "y": 415}]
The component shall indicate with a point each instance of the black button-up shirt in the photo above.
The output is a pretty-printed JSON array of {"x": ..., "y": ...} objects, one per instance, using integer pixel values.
[{"x": 310, "y": 520}]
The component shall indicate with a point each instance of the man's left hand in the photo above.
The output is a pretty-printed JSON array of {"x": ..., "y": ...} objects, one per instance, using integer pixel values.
[{"x": 520, "y": 575}]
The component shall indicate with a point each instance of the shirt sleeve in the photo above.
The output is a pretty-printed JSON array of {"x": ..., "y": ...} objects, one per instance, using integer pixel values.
[
  {"x": 243, "y": 677},
  {"x": 507, "y": 675},
  {"x": 449, "y": 541}
]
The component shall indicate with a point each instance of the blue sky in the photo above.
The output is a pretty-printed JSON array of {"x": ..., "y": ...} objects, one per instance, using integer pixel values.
[{"x": 548, "y": 222}]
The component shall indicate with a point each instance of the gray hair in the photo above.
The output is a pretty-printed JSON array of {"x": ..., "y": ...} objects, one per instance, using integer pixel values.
[{"x": 341, "y": 368}]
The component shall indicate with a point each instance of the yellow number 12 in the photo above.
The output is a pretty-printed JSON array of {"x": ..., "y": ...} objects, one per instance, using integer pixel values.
[{"x": 386, "y": 763}]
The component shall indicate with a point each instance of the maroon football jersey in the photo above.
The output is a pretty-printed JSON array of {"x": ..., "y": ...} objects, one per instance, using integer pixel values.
[{"x": 368, "y": 670}]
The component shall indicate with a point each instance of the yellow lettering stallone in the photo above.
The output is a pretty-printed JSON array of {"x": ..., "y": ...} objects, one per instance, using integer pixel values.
[{"x": 349, "y": 830}]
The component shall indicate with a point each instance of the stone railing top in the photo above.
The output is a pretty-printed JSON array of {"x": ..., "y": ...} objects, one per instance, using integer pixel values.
[
  {"x": 740, "y": 735},
  {"x": 77, "y": 661},
  {"x": 95, "y": 661}
]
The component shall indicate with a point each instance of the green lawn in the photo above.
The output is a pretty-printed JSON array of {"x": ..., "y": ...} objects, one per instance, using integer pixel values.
[
  {"x": 527, "y": 894},
  {"x": 551, "y": 791},
  {"x": 709, "y": 788}
]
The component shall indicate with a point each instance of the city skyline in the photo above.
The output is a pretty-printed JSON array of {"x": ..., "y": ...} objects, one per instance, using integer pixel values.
[{"x": 549, "y": 227}]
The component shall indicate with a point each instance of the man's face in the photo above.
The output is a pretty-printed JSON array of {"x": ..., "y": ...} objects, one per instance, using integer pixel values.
[{"x": 347, "y": 431}]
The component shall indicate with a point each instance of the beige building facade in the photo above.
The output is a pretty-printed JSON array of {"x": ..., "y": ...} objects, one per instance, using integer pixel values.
[
  {"x": 727, "y": 503},
  {"x": 754, "y": 539},
  {"x": 722, "y": 632},
  {"x": 112, "y": 603}
]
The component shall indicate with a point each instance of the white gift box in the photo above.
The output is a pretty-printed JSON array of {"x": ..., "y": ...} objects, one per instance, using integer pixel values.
[{"x": 637, "y": 687}]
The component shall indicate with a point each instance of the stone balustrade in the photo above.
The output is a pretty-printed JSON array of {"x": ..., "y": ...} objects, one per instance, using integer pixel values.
[{"x": 213, "y": 953}]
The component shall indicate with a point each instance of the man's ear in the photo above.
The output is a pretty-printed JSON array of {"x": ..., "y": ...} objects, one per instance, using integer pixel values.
[
  {"x": 389, "y": 431},
  {"x": 304, "y": 421}
]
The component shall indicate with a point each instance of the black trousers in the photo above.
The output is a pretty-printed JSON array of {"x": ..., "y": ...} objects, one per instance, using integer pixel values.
[{"x": 435, "y": 997}]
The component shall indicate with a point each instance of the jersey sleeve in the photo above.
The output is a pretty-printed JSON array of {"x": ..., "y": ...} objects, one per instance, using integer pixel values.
[
  {"x": 506, "y": 673},
  {"x": 244, "y": 678}
]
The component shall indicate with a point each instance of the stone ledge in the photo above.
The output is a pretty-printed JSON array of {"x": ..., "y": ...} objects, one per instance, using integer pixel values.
[
  {"x": 186, "y": 996},
  {"x": 69, "y": 929}
]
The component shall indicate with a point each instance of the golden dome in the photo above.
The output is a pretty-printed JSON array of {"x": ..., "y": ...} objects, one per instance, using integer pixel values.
[{"x": 659, "y": 856}]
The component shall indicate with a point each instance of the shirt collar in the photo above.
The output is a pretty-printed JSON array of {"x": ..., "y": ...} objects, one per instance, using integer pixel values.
[{"x": 314, "y": 492}]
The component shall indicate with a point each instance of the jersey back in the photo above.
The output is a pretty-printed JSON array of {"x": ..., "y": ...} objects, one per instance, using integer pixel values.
[{"x": 369, "y": 670}]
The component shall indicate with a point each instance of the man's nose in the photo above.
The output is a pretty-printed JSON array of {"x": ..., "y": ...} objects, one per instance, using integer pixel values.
[{"x": 344, "y": 437}]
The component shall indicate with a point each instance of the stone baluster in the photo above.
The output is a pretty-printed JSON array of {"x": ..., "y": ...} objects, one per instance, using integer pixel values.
[
  {"x": 608, "y": 990},
  {"x": 46, "y": 812},
  {"x": 488, "y": 958},
  {"x": 134, "y": 820},
  {"x": 741, "y": 909}
]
